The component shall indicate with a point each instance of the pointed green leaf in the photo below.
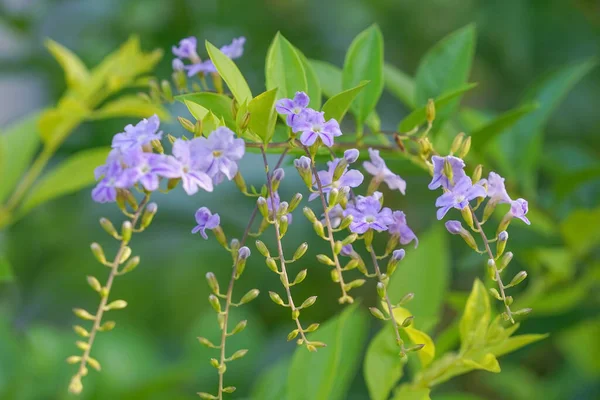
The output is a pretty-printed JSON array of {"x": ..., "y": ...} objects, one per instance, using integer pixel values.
[
  {"x": 476, "y": 317},
  {"x": 500, "y": 124},
  {"x": 330, "y": 77},
  {"x": 76, "y": 73},
  {"x": 523, "y": 144},
  {"x": 230, "y": 74},
  {"x": 210, "y": 122},
  {"x": 364, "y": 61},
  {"x": 6, "y": 272},
  {"x": 327, "y": 374},
  {"x": 312, "y": 82},
  {"x": 487, "y": 362},
  {"x": 130, "y": 106},
  {"x": 284, "y": 69},
  {"x": 427, "y": 353},
  {"x": 400, "y": 85},
  {"x": 382, "y": 367},
  {"x": 581, "y": 231},
  {"x": 419, "y": 116},
  {"x": 444, "y": 67},
  {"x": 73, "y": 174},
  {"x": 406, "y": 392},
  {"x": 271, "y": 384},
  {"x": 263, "y": 115},
  {"x": 18, "y": 144},
  {"x": 514, "y": 343},
  {"x": 219, "y": 104},
  {"x": 337, "y": 106},
  {"x": 425, "y": 272}
]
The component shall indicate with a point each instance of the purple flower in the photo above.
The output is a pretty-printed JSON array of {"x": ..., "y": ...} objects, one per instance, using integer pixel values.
[
  {"x": 218, "y": 154},
  {"x": 205, "y": 67},
  {"x": 351, "y": 155},
  {"x": 368, "y": 214},
  {"x": 302, "y": 163},
  {"x": 347, "y": 250},
  {"x": 273, "y": 206},
  {"x": 139, "y": 135},
  {"x": 106, "y": 190},
  {"x": 178, "y": 65},
  {"x": 233, "y": 51},
  {"x": 381, "y": 172},
  {"x": 189, "y": 169},
  {"x": 205, "y": 220},
  {"x": 398, "y": 255},
  {"x": 349, "y": 178},
  {"x": 292, "y": 107},
  {"x": 336, "y": 214},
  {"x": 496, "y": 190},
  {"x": 518, "y": 209},
  {"x": 187, "y": 48},
  {"x": 400, "y": 228},
  {"x": 439, "y": 178},
  {"x": 313, "y": 126},
  {"x": 146, "y": 168},
  {"x": 459, "y": 197},
  {"x": 454, "y": 227},
  {"x": 244, "y": 252}
]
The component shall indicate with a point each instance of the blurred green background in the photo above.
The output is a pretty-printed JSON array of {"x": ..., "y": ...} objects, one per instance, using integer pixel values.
[{"x": 153, "y": 353}]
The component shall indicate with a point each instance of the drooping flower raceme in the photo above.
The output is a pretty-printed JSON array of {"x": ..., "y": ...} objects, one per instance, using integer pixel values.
[
  {"x": 139, "y": 135},
  {"x": 401, "y": 229},
  {"x": 218, "y": 154},
  {"x": 187, "y": 49},
  {"x": 459, "y": 196},
  {"x": 368, "y": 213},
  {"x": 349, "y": 178},
  {"x": 205, "y": 220},
  {"x": 382, "y": 173},
  {"x": 440, "y": 177}
]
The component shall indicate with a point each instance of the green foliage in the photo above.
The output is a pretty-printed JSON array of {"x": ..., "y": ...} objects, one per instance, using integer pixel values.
[
  {"x": 230, "y": 74},
  {"x": 312, "y": 82},
  {"x": 425, "y": 272},
  {"x": 284, "y": 68},
  {"x": 263, "y": 115},
  {"x": 326, "y": 375},
  {"x": 271, "y": 385},
  {"x": 129, "y": 106},
  {"x": 199, "y": 103},
  {"x": 400, "y": 85},
  {"x": 337, "y": 105},
  {"x": 485, "y": 134},
  {"x": 364, "y": 61},
  {"x": 581, "y": 231},
  {"x": 383, "y": 367},
  {"x": 445, "y": 67},
  {"x": 6, "y": 273}
]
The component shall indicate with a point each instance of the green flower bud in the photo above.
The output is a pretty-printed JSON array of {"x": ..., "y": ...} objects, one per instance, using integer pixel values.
[
  {"x": 276, "y": 299},
  {"x": 131, "y": 265},
  {"x": 339, "y": 170},
  {"x": 308, "y": 302},
  {"x": 212, "y": 282},
  {"x": 430, "y": 111},
  {"x": 295, "y": 314},
  {"x": 94, "y": 283},
  {"x": 214, "y": 302},
  {"x": 518, "y": 278},
  {"x": 346, "y": 221},
  {"x": 377, "y": 313},
  {"x": 333, "y": 197},
  {"x": 283, "y": 225},
  {"x": 186, "y": 123},
  {"x": 115, "y": 305},
  {"x": 107, "y": 326},
  {"x": 407, "y": 298},
  {"x": 300, "y": 277},
  {"x": 323, "y": 259},
  {"x": 501, "y": 243},
  {"x": 98, "y": 253},
  {"x": 272, "y": 264},
  {"x": 467, "y": 215},
  {"x": 295, "y": 202},
  {"x": 300, "y": 251},
  {"x": 148, "y": 215},
  {"x": 312, "y": 328},
  {"x": 248, "y": 297},
  {"x": 83, "y": 314},
  {"x": 109, "y": 228},
  {"x": 126, "y": 231},
  {"x": 239, "y": 327},
  {"x": 381, "y": 289},
  {"x": 505, "y": 260},
  {"x": 318, "y": 227},
  {"x": 457, "y": 142},
  {"x": 238, "y": 354},
  {"x": 477, "y": 173},
  {"x": 309, "y": 214},
  {"x": 220, "y": 236},
  {"x": 262, "y": 248},
  {"x": 125, "y": 254},
  {"x": 408, "y": 321},
  {"x": 464, "y": 150},
  {"x": 81, "y": 331},
  {"x": 239, "y": 181},
  {"x": 494, "y": 293},
  {"x": 292, "y": 335},
  {"x": 261, "y": 203}
]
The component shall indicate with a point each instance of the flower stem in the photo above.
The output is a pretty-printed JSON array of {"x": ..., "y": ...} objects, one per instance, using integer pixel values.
[
  {"x": 286, "y": 281},
  {"x": 345, "y": 297},
  {"x": 75, "y": 386},
  {"x": 386, "y": 296},
  {"x": 501, "y": 286}
]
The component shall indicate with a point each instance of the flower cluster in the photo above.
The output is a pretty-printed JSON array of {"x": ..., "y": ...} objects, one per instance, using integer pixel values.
[
  {"x": 307, "y": 121},
  {"x": 459, "y": 189},
  {"x": 187, "y": 49},
  {"x": 199, "y": 163}
]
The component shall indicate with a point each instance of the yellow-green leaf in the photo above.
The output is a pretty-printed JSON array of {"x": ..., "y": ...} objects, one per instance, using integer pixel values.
[
  {"x": 427, "y": 353},
  {"x": 337, "y": 106},
  {"x": 400, "y": 85},
  {"x": 476, "y": 317},
  {"x": 6, "y": 273},
  {"x": 263, "y": 115},
  {"x": 514, "y": 343},
  {"x": 73, "y": 174},
  {"x": 230, "y": 74},
  {"x": 487, "y": 363},
  {"x": 406, "y": 392},
  {"x": 284, "y": 68},
  {"x": 312, "y": 82},
  {"x": 383, "y": 366},
  {"x": 199, "y": 103},
  {"x": 76, "y": 73},
  {"x": 130, "y": 106}
]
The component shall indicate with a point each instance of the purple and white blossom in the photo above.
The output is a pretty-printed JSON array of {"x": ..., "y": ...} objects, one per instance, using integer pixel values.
[
  {"x": 139, "y": 135},
  {"x": 145, "y": 168},
  {"x": 496, "y": 190},
  {"x": 454, "y": 227},
  {"x": 519, "y": 209},
  {"x": 336, "y": 214},
  {"x": 273, "y": 206},
  {"x": 349, "y": 178},
  {"x": 292, "y": 107},
  {"x": 187, "y": 49},
  {"x": 205, "y": 220},
  {"x": 351, "y": 155},
  {"x": 347, "y": 250},
  {"x": 233, "y": 50},
  {"x": 382, "y": 173},
  {"x": 313, "y": 126},
  {"x": 218, "y": 154},
  {"x": 368, "y": 213},
  {"x": 401, "y": 229},
  {"x": 439, "y": 177},
  {"x": 106, "y": 190},
  {"x": 459, "y": 196},
  {"x": 398, "y": 255},
  {"x": 190, "y": 169}
]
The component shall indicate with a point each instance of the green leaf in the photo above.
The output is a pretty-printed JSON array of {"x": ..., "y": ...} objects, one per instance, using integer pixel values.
[
  {"x": 210, "y": 122},
  {"x": 312, "y": 82},
  {"x": 73, "y": 174},
  {"x": 427, "y": 353},
  {"x": 581, "y": 231},
  {"x": 514, "y": 343},
  {"x": 130, "y": 106},
  {"x": 330, "y": 77},
  {"x": 230, "y": 74},
  {"x": 523, "y": 144},
  {"x": 487, "y": 362},
  {"x": 425, "y": 272},
  {"x": 406, "y": 392},
  {"x": 579, "y": 344},
  {"x": 337, "y": 106},
  {"x": 382, "y": 367},
  {"x": 444, "y": 67},
  {"x": 18, "y": 144},
  {"x": 419, "y": 116},
  {"x": 284, "y": 68},
  {"x": 199, "y": 103},
  {"x": 56, "y": 124},
  {"x": 483, "y": 135},
  {"x": 6, "y": 273},
  {"x": 271, "y": 384},
  {"x": 364, "y": 61},
  {"x": 476, "y": 317},
  {"x": 263, "y": 115},
  {"x": 76, "y": 73},
  {"x": 327, "y": 374},
  {"x": 400, "y": 85}
]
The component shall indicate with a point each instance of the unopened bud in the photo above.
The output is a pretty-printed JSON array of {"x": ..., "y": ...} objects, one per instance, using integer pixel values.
[
  {"x": 346, "y": 221},
  {"x": 522, "y": 313},
  {"x": 283, "y": 208},
  {"x": 272, "y": 264},
  {"x": 295, "y": 202},
  {"x": 309, "y": 302},
  {"x": 83, "y": 314},
  {"x": 300, "y": 251},
  {"x": 464, "y": 150},
  {"x": 318, "y": 227},
  {"x": 340, "y": 168},
  {"x": 107, "y": 326},
  {"x": 239, "y": 181},
  {"x": 239, "y": 327},
  {"x": 351, "y": 155},
  {"x": 518, "y": 278},
  {"x": 116, "y": 305},
  {"x": 157, "y": 146},
  {"x": 467, "y": 215},
  {"x": 333, "y": 197},
  {"x": 148, "y": 214},
  {"x": 430, "y": 111},
  {"x": 283, "y": 225},
  {"x": 501, "y": 243},
  {"x": 377, "y": 313},
  {"x": 245, "y": 121},
  {"x": 126, "y": 231},
  {"x": 186, "y": 123},
  {"x": 408, "y": 321},
  {"x": 212, "y": 282},
  {"x": 261, "y": 202},
  {"x": 448, "y": 172},
  {"x": 381, "y": 290},
  {"x": 98, "y": 253},
  {"x": 323, "y": 259},
  {"x": 349, "y": 239},
  {"x": 94, "y": 283},
  {"x": 262, "y": 248},
  {"x": 309, "y": 214},
  {"x": 457, "y": 142},
  {"x": 407, "y": 298},
  {"x": 214, "y": 302},
  {"x": 276, "y": 298},
  {"x": 505, "y": 260},
  {"x": 109, "y": 227},
  {"x": 239, "y": 354},
  {"x": 248, "y": 297},
  {"x": 300, "y": 277},
  {"x": 477, "y": 173}
]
